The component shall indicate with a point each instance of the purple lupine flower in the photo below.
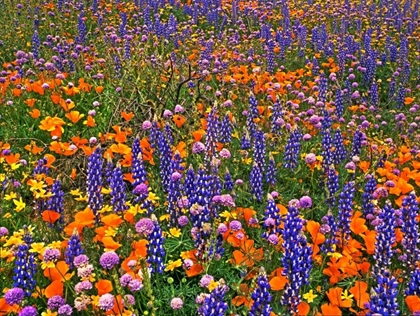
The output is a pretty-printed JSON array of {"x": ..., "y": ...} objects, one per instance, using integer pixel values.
[
  {"x": 276, "y": 118},
  {"x": 74, "y": 249},
  {"x": 189, "y": 181},
  {"x": 259, "y": 150},
  {"x": 212, "y": 135},
  {"x": 155, "y": 250},
  {"x": 329, "y": 229},
  {"x": 332, "y": 186},
  {"x": 297, "y": 261},
  {"x": 245, "y": 140},
  {"x": 25, "y": 270},
  {"x": 385, "y": 238},
  {"x": 109, "y": 259},
  {"x": 271, "y": 174},
  {"x": 271, "y": 218},
  {"x": 252, "y": 115},
  {"x": 413, "y": 286},
  {"x": 292, "y": 150},
  {"x": 358, "y": 138},
  {"x": 214, "y": 303},
  {"x": 226, "y": 130},
  {"x": 14, "y": 296},
  {"x": 174, "y": 193},
  {"x": 228, "y": 182},
  {"x": 94, "y": 181},
  {"x": 118, "y": 190},
  {"x": 345, "y": 208},
  {"x": 256, "y": 183},
  {"x": 340, "y": 152},
  {"x": 56, "y": 203},
  {"x": 410, "y": 242},
  {"x": 327, "y": 146},
  {"x": 367, "y": 204},
  {"x": 139, "y": 171},
  {"x": 384, "y": 300},
  {"x": 261, "y": 296}
]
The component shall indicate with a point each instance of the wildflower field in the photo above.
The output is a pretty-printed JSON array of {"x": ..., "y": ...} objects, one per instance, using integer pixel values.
[{"x": 209, "y": 157}]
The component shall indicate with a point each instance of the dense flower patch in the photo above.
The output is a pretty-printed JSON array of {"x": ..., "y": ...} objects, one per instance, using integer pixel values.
[{"x": 209, "y": 157}]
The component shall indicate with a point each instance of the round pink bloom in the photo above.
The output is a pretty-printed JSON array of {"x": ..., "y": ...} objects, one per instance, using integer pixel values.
[{"x": 177, "y": 303}]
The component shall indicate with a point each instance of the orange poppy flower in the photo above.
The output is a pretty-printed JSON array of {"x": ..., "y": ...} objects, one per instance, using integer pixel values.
[
  {"x": 330, "y": 310},
  {"x": 35, "y": 113},
  {"x": 55, "y": 288},
  {"x": 179, "y": 120},
  {"x": 278, "y": 281},
  {"x": 357, "y": 225},
  {"x": 59, "y": 272},
  {"x": 103, "y": 287},
  {"x": 55, "y": 97},
  {"x": 85, "y": 217},
  {"x": 90, "y": 122},
  {"x": 99, "y": 89},
  {"x": 30, "y": 102},
  {"x": 110, "y": 244},
  {"x": 413, "y": 303},
  {"x": 334, "y": 295},
  {"x": 50, "y": 216},
  {"x": 359, "y": 291},
  {"x": 127, "y": 115},
  {"x": 248, "y": 254},
  {"x": 33, "y": 148},
  {"x": 112, "y": 220},
  {"x": 74, "y": 116}
]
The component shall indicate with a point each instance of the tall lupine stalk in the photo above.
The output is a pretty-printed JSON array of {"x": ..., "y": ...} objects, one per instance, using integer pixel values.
[
  {"x": 137, "y": 168},
  {"x": 56, "y": 203},
  {"x": 292, "y": 149},
  {"x": 271, "y": 174},
  {"x": 271, "y": 218},
  {"x": 276, "y": 118},
  {"x": 165, "y": 156},
  {"x": 212, "y": 134},
  {"x": 330, "y": 229},
  {"x": 345, "y": 207},
  {"x": 94, "y": 181},
  {"x": 200, "y": 213},
  {"x": 297, "y": 260},
  {"x": 226, "y": 130},
  {"x": 410, "y": 229},
  {"x": 155, "y": 250},
  {"x": 259, "y": 150},
  {"x": 327, "y": 146},
  {"x": 340, "y": 152},
  {"x": 174, "y": 193},
  {"x": 261, "y": 296},
  {"x": 74, "y": 248},
  {"x": 332, "y": 186},
  {"x": 25, "y": 270},
  {"x": 367, "y": 205},
  {"x": 384, "y": 301},
  {"x": 252, "y": 115},
  {"x": 256, "y": 182},
  {"x": 118, "y": 194},
  {"x": 214, "y": 304}
]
